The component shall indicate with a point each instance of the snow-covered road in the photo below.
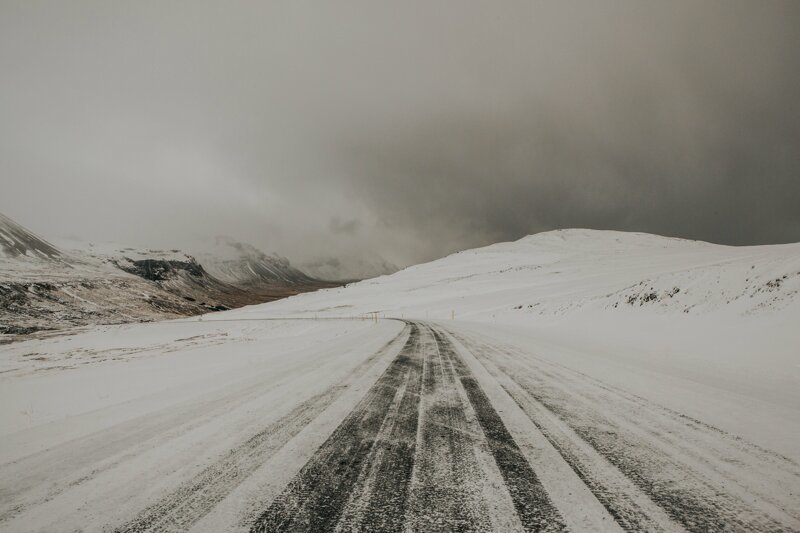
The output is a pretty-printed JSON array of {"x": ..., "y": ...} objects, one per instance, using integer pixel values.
[{"x": 322, "y": 425}]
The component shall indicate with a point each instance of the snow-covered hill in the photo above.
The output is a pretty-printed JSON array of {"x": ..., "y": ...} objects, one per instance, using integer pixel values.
[
  {"x": 16, "y": 241},
  {"x": 567, "y": 271}
]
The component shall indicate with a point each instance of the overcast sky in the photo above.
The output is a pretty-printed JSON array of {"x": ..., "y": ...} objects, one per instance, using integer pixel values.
[{"x": 356, "y": 132}]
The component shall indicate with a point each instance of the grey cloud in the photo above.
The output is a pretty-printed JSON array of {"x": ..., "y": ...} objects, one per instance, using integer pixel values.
[
  {"x": 345, "y": 227},
  {"x": 401, "y": 131},
  {"x": 696, "y": 136},
  {"x": 351, "y": 267},
  {"x": 325, "y": 262}
]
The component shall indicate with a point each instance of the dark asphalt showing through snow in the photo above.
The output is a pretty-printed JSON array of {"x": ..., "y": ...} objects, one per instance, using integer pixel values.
[{"x": 360, "y": 478}]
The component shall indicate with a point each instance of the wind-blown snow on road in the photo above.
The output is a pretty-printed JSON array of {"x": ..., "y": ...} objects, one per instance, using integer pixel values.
[{"x": 529, "y": 386}]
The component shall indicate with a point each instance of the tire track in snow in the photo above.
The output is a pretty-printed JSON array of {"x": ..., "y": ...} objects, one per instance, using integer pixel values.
[
  {"x": 446, "y": 468},
  {"x": 405, "y": 458},
  {"x": 46, "y": 475},
  {"x": 190, "y": 502},
  {"x": 378, "y": 500},
  {"x": 534, "y": 507},
  {"x": 316, "y": 498},
  {"x": 629, "y": 507},
  {"x": 694, "y": 503},
  {"x": 194, "y": 499},
  {"x": 687, "y": 496}
]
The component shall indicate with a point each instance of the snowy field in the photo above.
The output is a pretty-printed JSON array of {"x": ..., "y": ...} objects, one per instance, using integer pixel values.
[{"x": 573, "y": 380}]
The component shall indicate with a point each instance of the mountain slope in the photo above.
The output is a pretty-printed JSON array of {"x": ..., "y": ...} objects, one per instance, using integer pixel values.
[
  {"x": 244, "y": 265},
  {"x": 45, "y": 288},
  {"x": 17, "y": 241},
  {"x": 267, "y": 277}
]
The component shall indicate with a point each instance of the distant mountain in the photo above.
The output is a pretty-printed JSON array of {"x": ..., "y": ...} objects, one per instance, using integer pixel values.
[
  {"x": 244, "y": 265},
  {"x": 45, "y": 288}
]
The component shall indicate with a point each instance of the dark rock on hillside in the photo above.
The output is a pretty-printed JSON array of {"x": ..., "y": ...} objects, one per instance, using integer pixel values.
[{"x": 161, "y": 270}]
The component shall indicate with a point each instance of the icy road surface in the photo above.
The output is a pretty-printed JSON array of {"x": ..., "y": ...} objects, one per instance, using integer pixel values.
[{"x": 323, "y": 425}]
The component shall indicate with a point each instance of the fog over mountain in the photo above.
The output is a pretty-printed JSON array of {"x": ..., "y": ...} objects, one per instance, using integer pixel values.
[{"x": 350, "y": 135}]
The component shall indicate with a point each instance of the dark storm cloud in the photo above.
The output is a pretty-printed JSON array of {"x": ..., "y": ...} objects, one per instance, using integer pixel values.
[
  {"x": 697, "y": 137},
  {"x": 391, "y": 133},
  {"x": 477, "y": 181}
]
